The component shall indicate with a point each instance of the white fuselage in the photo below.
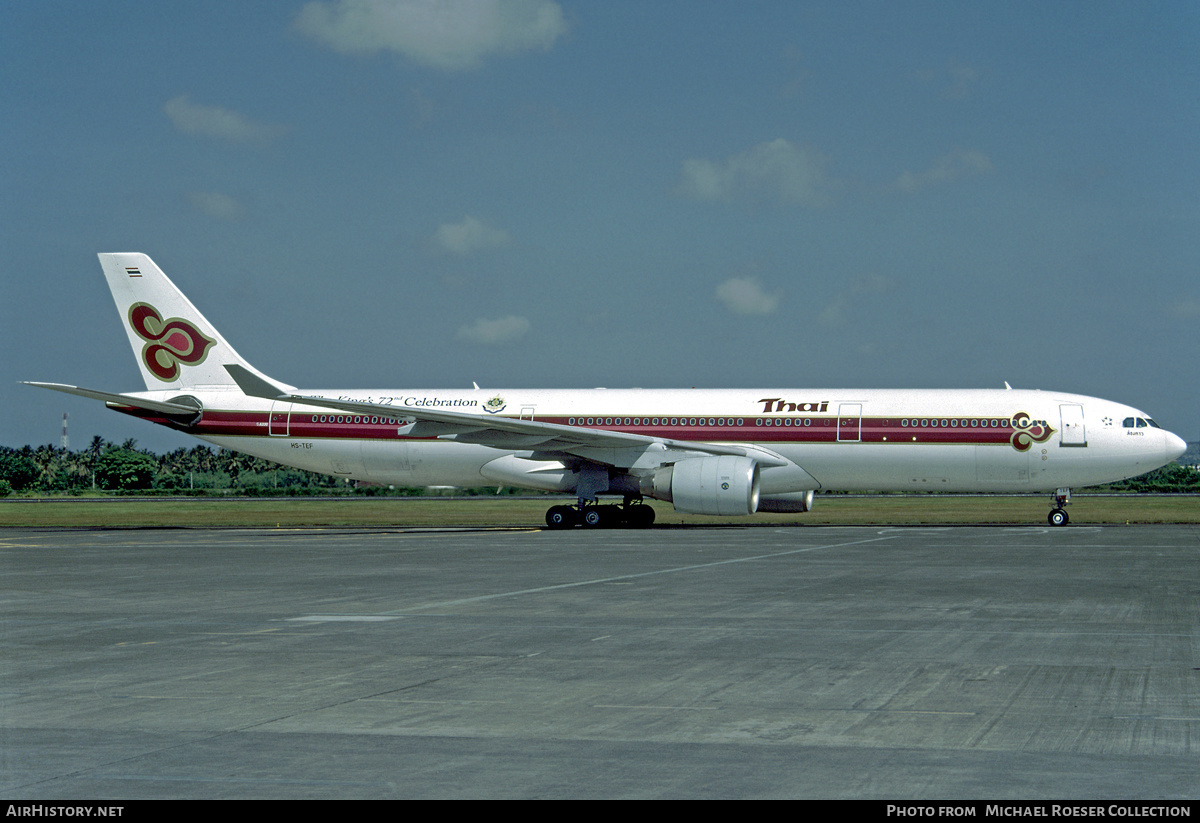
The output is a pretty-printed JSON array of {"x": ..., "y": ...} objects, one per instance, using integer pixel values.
[{"x": 835, "y": 439}]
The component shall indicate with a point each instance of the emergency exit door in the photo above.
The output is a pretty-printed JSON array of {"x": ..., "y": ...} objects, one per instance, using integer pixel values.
[
  {"x": 849, "y": 422},
  {"x": 280, "y": 412}
]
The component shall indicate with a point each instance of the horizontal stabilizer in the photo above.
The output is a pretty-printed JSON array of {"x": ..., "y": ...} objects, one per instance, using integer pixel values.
[{"x": 161, "y": 406}]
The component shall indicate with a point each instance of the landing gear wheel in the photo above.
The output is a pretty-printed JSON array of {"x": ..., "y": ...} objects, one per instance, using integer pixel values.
[
  {"x": 561, "y": 517},
  {"x": 1059, "y": 517},
  {"x": 640, "y": 516},
  {"x": 634, "y": 515}
]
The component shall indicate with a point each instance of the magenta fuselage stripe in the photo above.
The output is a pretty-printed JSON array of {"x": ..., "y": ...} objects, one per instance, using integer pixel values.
[{"x": 757, "y": 429}]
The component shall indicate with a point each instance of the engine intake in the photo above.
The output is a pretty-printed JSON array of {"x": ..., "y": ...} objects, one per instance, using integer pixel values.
[{"x": 723, "y": 485}]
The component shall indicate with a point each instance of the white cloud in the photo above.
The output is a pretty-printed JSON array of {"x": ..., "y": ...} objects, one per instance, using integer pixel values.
[
  {"x": 469, "y": 236},
  {"x": 1187, "y": 309},
  {"x": 218, "y": 205},
  {"x": 444, "y": 34},
  {"x": 216, "y": 122},
  {"x": 744, "y": 295},
  {"x": 962, "y": 81},
  {"x": 948, "y": 167},
  {"x": 778, "y": 170},
  {"x": 957, "y": 80},
  {"x": 498, "y": 332},
  {"x": 838, "y": 312}
]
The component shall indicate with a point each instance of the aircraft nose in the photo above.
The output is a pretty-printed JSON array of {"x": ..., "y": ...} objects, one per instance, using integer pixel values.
[{"x": 1175, "y": 446}]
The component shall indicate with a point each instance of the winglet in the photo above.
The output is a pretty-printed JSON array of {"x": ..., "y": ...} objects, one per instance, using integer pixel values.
[{"x": 252, "y": 385}]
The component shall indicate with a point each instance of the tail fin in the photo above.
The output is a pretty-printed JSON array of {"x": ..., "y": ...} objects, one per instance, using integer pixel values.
[{"x": 175, "y": 347}]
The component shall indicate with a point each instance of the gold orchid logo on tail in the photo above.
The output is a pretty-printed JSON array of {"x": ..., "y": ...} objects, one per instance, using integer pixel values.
[
  {"x": 1028, "y": 431},
  {"x": 168, "y": 342}
]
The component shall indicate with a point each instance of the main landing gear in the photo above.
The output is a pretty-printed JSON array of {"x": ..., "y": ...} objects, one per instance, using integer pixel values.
[
  {"x": 1058, "y": 515},
  {"x": 632, "y": 513}
]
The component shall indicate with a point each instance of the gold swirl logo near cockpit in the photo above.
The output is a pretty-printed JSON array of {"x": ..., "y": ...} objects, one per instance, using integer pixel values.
[
  {"x": 1028, "y": 431},
  {"x": 168, "y": 342}
]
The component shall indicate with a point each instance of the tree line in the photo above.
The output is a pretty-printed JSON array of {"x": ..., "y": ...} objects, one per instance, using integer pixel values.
[{"x": 107, "y": 467}]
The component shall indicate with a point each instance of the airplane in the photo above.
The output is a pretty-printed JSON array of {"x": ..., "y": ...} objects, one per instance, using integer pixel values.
[{"x": 709, "y": 452}]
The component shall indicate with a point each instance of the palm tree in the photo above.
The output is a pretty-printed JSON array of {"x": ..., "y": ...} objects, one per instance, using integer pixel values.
[
  {"x": 94, "y": 450},
  {"x": 203, "y": 459},
  {"x": 46, "y": 459}
]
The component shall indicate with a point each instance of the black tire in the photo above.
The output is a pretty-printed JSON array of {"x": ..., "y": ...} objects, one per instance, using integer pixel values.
[
  {"x": 1059, "y": 517},
  {"x": 640, "y": 516},
  {"x": 561, "y": 517}
]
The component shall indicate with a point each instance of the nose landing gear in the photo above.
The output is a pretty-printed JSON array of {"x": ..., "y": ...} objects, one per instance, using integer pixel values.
[{"x": 1058, "y": 515}]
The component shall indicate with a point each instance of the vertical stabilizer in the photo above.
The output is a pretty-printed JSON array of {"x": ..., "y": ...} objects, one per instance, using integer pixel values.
[{"x": 175, "y": 347}]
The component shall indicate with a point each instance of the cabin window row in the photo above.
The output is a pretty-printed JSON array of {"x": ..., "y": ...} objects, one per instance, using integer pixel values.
[
  {"x": 954, "y": 423},
  {"x": 655, "y": 421},
  {"x": 345, "y": 418}
]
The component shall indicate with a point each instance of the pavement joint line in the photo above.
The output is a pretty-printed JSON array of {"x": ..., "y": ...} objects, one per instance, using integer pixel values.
[{"x": 599, "y": 580}]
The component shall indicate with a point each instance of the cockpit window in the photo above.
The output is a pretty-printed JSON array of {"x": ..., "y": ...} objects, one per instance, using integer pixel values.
[
  {"x": 1139, "y": 422},
  {"x": 1153, "y": 425},
  {"x": 1127, "y": 423}
]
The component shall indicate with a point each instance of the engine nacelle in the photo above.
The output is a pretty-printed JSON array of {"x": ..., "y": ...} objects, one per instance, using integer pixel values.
[
  {"x": 790, "y": 502},
  {"x": 723, "y": 484}
]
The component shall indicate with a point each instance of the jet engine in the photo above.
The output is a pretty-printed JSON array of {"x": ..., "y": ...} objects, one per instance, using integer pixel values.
[{"x": 723, "y": 484}]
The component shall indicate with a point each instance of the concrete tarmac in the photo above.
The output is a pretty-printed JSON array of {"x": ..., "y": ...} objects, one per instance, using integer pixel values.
[{"x": 730, "y": 662}]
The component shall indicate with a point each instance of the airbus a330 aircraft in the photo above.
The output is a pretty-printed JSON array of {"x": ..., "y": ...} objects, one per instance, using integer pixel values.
[{"x": 721, "y": 452}]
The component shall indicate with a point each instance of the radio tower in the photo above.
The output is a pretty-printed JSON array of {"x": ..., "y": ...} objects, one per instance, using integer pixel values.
[{"x": 65, "y": 442}]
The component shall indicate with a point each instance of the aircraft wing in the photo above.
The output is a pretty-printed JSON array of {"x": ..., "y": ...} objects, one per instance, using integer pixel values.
[{"x": 546, "y": 440}]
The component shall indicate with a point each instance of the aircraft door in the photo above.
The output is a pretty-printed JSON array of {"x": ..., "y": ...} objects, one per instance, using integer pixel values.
[
  {"x": 849, "y": 422},
  {"x": 1073, "y": 431},
  {"x": 280, "y": 416}
]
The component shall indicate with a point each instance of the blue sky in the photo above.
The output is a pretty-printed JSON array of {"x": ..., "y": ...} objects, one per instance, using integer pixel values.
[{"x": 573, "y": 194}]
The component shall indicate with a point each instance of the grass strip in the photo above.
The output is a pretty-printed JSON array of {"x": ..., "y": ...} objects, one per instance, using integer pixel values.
[{"x": 510, "y": 512}]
